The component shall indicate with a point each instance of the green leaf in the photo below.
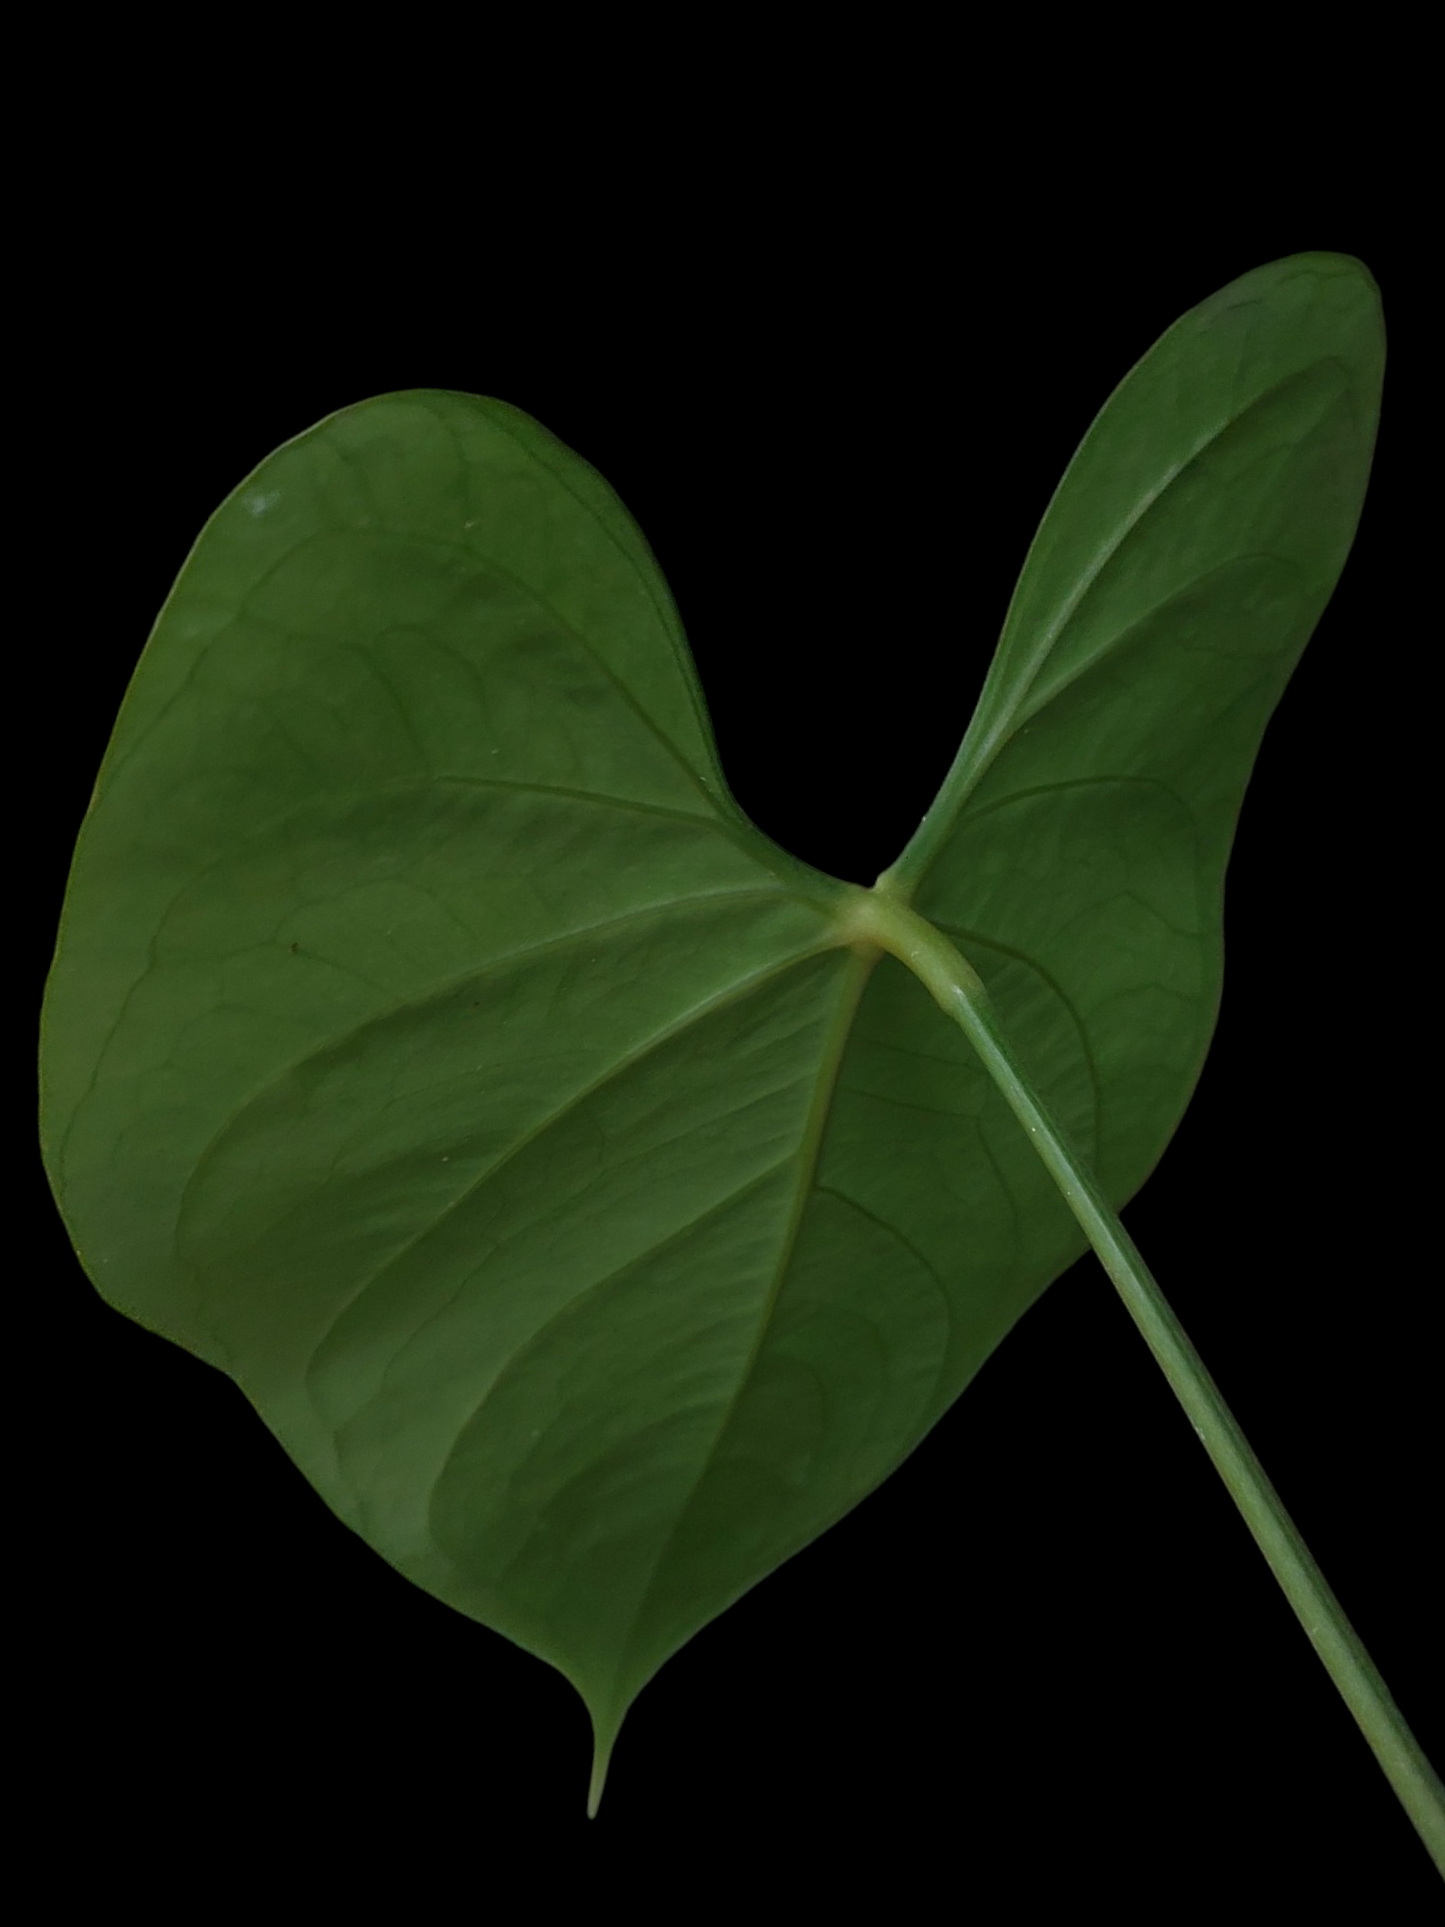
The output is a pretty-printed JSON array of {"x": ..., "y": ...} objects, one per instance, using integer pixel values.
[{"x": 434, "y": 1045}]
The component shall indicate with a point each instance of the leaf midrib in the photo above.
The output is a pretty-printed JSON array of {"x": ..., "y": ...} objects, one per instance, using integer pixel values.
[{"x": 810, "y": 1146}]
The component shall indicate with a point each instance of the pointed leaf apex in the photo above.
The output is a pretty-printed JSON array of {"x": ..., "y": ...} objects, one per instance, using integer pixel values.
[{"x": 601, "y": 1755}]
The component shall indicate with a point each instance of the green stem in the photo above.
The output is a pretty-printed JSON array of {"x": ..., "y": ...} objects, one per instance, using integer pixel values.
[{"x": 884, "y": 920}]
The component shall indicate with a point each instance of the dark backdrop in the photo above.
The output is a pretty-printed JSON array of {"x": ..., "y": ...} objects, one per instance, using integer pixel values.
[{"x": 1045, "y": 1656}]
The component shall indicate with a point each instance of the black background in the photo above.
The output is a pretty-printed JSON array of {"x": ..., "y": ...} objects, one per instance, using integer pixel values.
[{"x": 1045, "y": 1657}]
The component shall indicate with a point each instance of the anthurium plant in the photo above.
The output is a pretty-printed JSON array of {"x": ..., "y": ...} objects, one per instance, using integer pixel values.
[{"x": 596, "y": 1200}]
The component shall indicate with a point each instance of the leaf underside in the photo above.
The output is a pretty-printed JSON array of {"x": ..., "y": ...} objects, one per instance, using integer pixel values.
[{"x": 434, "y": 1045}]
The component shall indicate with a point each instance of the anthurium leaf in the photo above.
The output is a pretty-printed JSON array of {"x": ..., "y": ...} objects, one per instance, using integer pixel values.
[{"x": 434, "y": 1045}]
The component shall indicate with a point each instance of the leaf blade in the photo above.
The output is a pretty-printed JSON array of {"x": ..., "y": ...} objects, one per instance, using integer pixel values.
[{"x": 378, "y": 772}]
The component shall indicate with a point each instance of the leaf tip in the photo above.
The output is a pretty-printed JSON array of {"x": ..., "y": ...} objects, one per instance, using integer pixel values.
[
  {"x": 606, "y": 1725},
  {"x": 601, "y": 1758}
]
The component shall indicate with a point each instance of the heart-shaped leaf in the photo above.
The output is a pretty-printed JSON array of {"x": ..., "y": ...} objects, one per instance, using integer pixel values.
[{"x": 432, "y": 1043}]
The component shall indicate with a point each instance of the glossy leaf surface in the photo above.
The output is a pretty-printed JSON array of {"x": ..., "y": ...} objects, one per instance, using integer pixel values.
[{"x": 433, "y": 1044}]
